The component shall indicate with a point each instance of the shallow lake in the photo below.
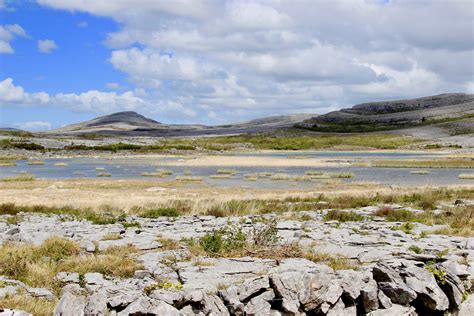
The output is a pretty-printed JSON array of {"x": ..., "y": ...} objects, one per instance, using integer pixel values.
[{"x": 133, "y": 167}]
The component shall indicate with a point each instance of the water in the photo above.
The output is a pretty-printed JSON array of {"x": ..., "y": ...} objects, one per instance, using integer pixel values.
[{"x": 132, "y": 168}]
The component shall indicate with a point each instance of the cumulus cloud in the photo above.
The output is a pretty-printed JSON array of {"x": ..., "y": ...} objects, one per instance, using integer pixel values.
[
  {"x": 46, "y": 46},
  {"x": 7, "y": 33},
  {"x": 217, "y": 60},
  {"x": 34, "y": 126}
]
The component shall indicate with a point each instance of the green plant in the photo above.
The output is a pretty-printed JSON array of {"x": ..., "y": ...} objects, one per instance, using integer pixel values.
[
  {"x": 439, "y": 274},
  {"x": 160, "y": 212},
  {"x": 343, "y": 216},
  {"x": 416, "y": 249}
]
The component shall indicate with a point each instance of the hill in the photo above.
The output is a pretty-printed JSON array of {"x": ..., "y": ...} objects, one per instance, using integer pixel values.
[
  {"x": 389, "y": 115},
  {"x": 133, "y": 124}
]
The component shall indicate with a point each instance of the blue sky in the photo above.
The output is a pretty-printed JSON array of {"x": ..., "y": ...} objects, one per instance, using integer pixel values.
[{"x": 217, "y": 62}]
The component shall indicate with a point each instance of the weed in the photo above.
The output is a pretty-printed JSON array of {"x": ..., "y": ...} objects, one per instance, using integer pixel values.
[
  {"x": 416, "y": 249},
  {"x": 343, "y": 216}
]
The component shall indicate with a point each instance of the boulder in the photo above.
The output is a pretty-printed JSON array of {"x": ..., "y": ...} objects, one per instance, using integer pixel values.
[
  {"x": 96, "y": 304},
  {"x": 391, "y": 283},
  {"x": 260, "y": 305},
  {"x": 70, "y": 304}
]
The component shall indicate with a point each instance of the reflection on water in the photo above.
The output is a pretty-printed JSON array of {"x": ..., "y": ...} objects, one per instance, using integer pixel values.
[{"x": 132, "y": 168}]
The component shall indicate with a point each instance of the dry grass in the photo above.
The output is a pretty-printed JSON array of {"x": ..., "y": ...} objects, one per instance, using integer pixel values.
[
  {"x": 61, "y": 164},
  {"x": 112, "y": 236},
  {"x": 37, "y": 266},
  {"x": 20, "y": 178},
  {"x": 420, "y": 172},
  {"x": 335, "y": 262},
  {"x": 33, "y": 305},
  {"x": 220, "y": 176}
]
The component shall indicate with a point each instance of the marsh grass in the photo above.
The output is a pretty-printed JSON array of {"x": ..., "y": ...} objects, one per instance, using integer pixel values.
[
  {"x": 35, "y": 162},
  {"x": 21, "y": 177},
  {"x": 104, "y": 174},
  {"x": 468, "y": 176},
  {"x": 60, "y": 164},
  {"x": 226, "y": 171},
  {"x": 221, "y": 176},
  {"x": 189, "y": 178},
  {"x": 431, "y": 163},
  {"x": 7, "y": 163}
]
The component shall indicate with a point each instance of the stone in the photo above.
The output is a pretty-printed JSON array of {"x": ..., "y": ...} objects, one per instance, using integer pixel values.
[
  {"x": 252, "y": 286},
  {"x": 323, "y": 290},
  {"x": 260, "y": 305},
  {"x": 395, "y": 310},
  {"x": 13, "y": 312},
  {"x": 13, "y": 231},
  {"x": 391, "y": 283},
  {"x": 167, "y": 296},
  {"x": 70, "y": 304},
  {"x": 384, "y": 301},
  {"x": 141, "y": 306},
  {"x": 339, "y": 309},
  {"x": 94, "y": 278},
  {"x": 231, "y": 300},
  {"x": 424, "y": 284},
  {"x": 467, "y": 307},
  {"x": 96, "y": 304},
  {"x": 66, "y": 277},
  {"x": 292, "y": 287},
  {"x": 40, "y": 292},
  {"x": 8, "y": 290},
  {"x": 453, "y": 287},
  {"x": 369, "y": 296},
  {"x": 161, "y": 308}
]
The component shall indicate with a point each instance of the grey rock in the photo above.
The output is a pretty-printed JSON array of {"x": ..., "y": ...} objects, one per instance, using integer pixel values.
[
  {"x": 339, "y": 309},
  {"x": 13, "y": 231},
  {"x": 369, "y": 296},
  {"x": 8, "y": 290},
  {"x": 40, "y": 292},
  {"x": 94, "y": 278},
  {"x": 252, "y": 286},
  {"x": 140, "y": 306},
  {"x": 454, "y": 289},
  {"x": 292, "y": 287},
  {"x": 424, "y": 284},
  {"x": 13, "y": 312},
  {"x": 96, "y": 304},
  {"x": 391, "y": 283},
  {"x": 260, "y": 305},
  {"x": 384, "y": 300},
  {"x": 395, "y": 310},
  {"x": 231, "y": 300},
  {"x": 467, "y": 307},
  {"x": 66, "y": 277},
  {"x": 324, "y": 292},
  {"x": 70, "y": 304},
  {"x": 168, "y": 296},
  {"x": 161, "y": 308}
]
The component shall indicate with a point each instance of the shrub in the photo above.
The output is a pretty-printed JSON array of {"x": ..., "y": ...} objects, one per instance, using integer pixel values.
[
  {"x": 343, "y": 216},
  {"x": 160, "y": 212}
]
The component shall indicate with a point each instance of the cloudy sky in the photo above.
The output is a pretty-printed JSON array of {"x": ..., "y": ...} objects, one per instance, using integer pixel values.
[{"x": 217, "y": 61}]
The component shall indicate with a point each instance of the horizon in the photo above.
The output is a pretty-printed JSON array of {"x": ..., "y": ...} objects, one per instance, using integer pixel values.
[{"x": 214, "y": 62}]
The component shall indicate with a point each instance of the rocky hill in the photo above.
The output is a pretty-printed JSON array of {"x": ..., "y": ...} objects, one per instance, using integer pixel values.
[
  {"x": 134, "y": 124},
  {"x": 397, "y": 114}
]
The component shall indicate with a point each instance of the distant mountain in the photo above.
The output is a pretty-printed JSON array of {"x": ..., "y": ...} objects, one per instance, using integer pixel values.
[
  {"x": 120, "y": 121},
  {"x": 133, "y": 124},
  {"x": 397, "y": 114}
]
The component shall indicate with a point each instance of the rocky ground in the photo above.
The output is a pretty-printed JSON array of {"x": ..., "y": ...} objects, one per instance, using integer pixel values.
[{"x": 387, "y": 275}]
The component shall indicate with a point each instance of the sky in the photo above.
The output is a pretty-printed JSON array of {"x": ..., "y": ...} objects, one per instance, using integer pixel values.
[{"x": 222, "y": 61}]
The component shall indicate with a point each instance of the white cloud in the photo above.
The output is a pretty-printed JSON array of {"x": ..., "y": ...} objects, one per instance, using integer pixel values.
[
  {"x": 230, "y": 60},
  {"x": 46, "y": 46},
  {"x": 112, "y": 86},
  {"x": 34, "y": 125},
  {"x": 7, "y": 33},
  {"x": 83, "y": 24}
]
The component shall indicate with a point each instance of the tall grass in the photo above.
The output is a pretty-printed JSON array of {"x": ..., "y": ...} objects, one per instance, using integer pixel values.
[{"x": 431, "y": 163}]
